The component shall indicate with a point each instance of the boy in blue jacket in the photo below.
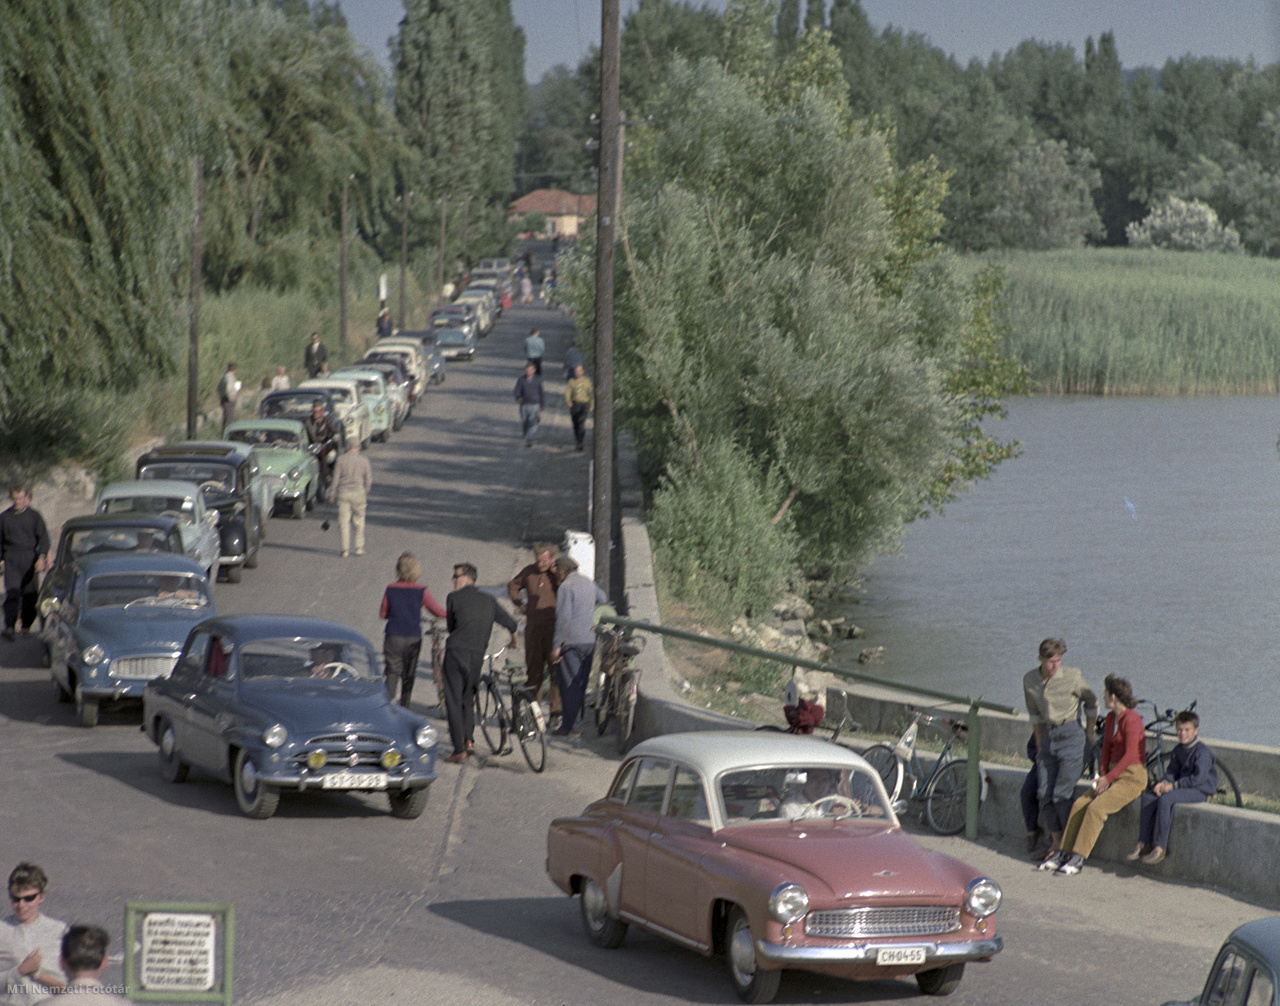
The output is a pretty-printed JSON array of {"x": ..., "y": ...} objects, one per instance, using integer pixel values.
[{"x": 1192, "y": 777}]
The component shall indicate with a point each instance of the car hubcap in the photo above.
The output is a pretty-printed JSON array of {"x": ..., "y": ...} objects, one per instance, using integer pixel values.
[
  {"x": 248, "y": 778},
  {"x": 742, "y": 955},
  {"x": 167, "y": 742},
  {"x": 593, "y": 901}
]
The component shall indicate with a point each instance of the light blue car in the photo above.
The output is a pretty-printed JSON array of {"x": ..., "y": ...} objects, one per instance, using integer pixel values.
[{"x": 374, "y": 387}]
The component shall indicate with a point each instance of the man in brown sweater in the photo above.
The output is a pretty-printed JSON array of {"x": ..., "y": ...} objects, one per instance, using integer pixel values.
[
  {"x": 533, "y": 592},
  {"x": 352, "y": 480}
]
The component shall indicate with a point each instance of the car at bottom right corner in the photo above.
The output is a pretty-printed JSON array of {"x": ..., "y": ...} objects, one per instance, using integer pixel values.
[
  {"x": 1245, "y": 971},
  {"x": 778, "y": 852}
]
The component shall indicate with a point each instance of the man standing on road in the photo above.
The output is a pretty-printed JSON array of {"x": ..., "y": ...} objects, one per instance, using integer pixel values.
[
  {"x": 24, "y": 549},
  {"x": 228, "y": 392},
  {"x": 533, "y": 592},
  {"x": 575, "y": 641},
  {"x": 84, "y": 957},
  {"x": 581, "y": 398},
  {"x": 321, "y": 432},
  {"x": 352, "y": 480},
  {"x": 535, "y": 349},
  {"x": 531, "y": 399},
  {"x": 573, "y": 359},
  {"x": 30, "y": 943},
  {"x": 470, "y": 617},
  {"x": 315, "y": 356},
  {"x": 1055, "y": 696}
]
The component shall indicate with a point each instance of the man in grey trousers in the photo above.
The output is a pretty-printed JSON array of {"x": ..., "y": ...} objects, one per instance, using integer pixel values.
[{"x": 574, "y": 640}]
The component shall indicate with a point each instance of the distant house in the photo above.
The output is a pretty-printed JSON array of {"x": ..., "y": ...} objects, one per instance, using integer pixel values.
[{"x": 565, "y": 211}]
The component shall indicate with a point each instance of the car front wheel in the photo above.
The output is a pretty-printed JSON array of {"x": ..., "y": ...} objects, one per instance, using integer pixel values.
[
  {"x": 751, "y": 983},
  {"x": 86, "y": 708},
  {"x": 256, "y": 798},
  {"x": 602, "y": 928},
  {"x": 408, "y": 803},
  {"x": 172, "y": 768},
  {"x": 940, "y": 981}
]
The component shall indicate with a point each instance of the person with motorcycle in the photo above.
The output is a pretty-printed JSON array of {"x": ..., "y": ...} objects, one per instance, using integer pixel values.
[{"x": 321, "y": 431}]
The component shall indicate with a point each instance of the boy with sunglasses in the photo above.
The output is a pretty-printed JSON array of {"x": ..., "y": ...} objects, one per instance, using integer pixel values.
[{"x": 30, "y": 943}]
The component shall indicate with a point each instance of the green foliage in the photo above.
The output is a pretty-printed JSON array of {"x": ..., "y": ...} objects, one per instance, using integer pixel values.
[
  {"x": 1120, "y": 321},
  {"x": 1181, "y": 225},
  {"x": 552, "y": 152},
  {"x": 535, "y": 222},
  {"x": 1046, "y": 199}
]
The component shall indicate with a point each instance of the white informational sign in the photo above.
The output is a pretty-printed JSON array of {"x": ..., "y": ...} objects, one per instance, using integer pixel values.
[
  {"x": 383, "y": 288},
  {"x": 178, "y": 952}
]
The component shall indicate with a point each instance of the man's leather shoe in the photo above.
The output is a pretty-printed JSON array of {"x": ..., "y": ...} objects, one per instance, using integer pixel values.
[{"x": 457, "y": 757}]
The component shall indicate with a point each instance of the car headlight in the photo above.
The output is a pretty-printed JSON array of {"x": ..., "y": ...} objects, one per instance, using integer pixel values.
[
  {"x": 427, "y": 737},
  {"x": 295, "y": 473},
  {"x": 788, "y": 903},
  {"x": 390, "y": 758},
  {"x": 93, "y": 655},
  {"x": 47, "y": 607},
  {"x": 316, "y": 759},
  {"x": 275, "y": 735},
  {"x": 982, "y": 897}
]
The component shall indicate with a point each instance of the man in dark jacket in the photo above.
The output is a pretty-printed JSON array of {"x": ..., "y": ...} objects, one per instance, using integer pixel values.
[
  {"x": 1192, "y": 777},
  {"x": 470, "y": 614},
  {"x": 316, "y": 355},
  {"x": 530, "y": 397},
  {"x": 24, "y": 547}
]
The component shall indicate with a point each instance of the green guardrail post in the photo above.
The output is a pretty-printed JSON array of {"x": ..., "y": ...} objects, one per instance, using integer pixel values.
[{"x": 973, "y": 791}]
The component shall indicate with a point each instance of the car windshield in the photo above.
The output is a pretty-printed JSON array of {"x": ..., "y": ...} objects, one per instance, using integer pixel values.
[
  {"x": 135, "y": 590},
  {"x": 451, "y": 336},
  {"x": 265, "y": 437},
  {"x": 799, "y": 792},
  {"x": 307, "y": 658},
  {"x": 289, "y": 405},
  {"x": 369, "y": 387},
  {"x": 89, "y": 541},
  {"x": 209, "y": 476},
  {"x": 341, "y": 395},
  {"x": 182, "y": 507}
]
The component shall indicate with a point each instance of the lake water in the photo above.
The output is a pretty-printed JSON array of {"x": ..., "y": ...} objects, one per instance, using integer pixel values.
[{"x": 1141, "y": 530}]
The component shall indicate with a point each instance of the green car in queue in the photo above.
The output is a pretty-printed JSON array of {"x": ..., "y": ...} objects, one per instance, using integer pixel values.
[
  {"x": 287, "y": 458},
  {"x": 374, "y": 387}
]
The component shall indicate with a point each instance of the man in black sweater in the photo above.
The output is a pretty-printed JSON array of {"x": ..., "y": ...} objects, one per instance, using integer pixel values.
[
  {"x": 24, "y": 546},
  {"x": 470, "y": 614}
]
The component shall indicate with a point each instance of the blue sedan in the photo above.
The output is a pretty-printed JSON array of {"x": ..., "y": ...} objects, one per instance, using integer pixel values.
[{"x": 276, "y": 702}]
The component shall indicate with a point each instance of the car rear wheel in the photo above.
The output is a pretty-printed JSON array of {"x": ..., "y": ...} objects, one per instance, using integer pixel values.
[
  {"x": 751, "y": 983},
  {"x": 172, "y": 768},
  {"x": 234, "y": 574},
  {"x": 408, "y": 803},
  {"x": 256, "y": 798},
  {"x": 602, "y": 928},
  {"x": 86, "y": 708},
  {"x": 940, "y": 981},
  {"x": 297, "y": 508}
]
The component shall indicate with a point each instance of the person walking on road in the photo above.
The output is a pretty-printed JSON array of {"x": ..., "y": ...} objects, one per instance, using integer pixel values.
[
  {"x": 352, "y": 480},
  {"x": 470, "y": 614},
  {"x": 533, "y": 592},
  {"x": 228, "y": 392},
  {"x": 581, "y": 399},
  {"x": 531, "y": 399},
  {"x": 535, "y": 348},
  {"x": 402, "y": 605},
  {"x": 575, "y": 641},
  {"x": 315, "y": 356},
  {"x": 30, "y": 943},
  {"x": 573, "y": 359},
  {"x": 24, "y": 552}
]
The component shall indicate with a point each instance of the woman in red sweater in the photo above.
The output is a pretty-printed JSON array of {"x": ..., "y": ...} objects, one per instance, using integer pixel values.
[{"x": 1124, "y": 778}]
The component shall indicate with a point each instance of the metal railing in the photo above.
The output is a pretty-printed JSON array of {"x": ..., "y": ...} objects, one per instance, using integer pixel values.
[{"x": 974, "y": 788}]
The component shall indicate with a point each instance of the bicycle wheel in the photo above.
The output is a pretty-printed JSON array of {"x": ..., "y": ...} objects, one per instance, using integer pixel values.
[
  {"x": 1228, "y": 788},
  {"x": 490, "y": 715},
  {"x": 946, "y": 802},
  {"x": 628, "y": 694},
  {"x": 604, "y": 711},
  {"x": 530, "y": 734},
  {"x": 881, "y": 758}
]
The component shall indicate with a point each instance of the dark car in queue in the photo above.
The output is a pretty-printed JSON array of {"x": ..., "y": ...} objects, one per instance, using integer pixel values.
[
  {"x": 456, "y": 316},
  {"x": 121, "y": 623},
  {"x": 1247, "y": 969},
  {"x": 297, "y": 403},
  {"x": 231, "y": 483},
  {"x": 281, "y": 702},
  {"x": 456, "y": 343}
]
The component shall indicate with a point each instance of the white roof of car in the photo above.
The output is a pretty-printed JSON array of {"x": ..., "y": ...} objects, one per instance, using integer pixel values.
[
  {"x": 330, "y": 382},
  {"x": 149, "y": 487},
  {"x": 714, "y": 751}
]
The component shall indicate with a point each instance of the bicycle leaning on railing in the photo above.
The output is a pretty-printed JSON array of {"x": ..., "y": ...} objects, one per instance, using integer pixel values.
[
  {"x": 944, "y": 789},
  {"x": 614, "y": 687},
  {"x": 524, "y": 719}
]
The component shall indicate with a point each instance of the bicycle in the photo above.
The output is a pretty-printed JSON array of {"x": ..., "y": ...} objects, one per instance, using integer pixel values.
[
  {"x": 1162, "y": 731},
  {"x": 944, "y": 789},
  {"x": 615, "y": 685},
  {"x": 435, "y": 628},
  {"x": 524, "y": 720}
]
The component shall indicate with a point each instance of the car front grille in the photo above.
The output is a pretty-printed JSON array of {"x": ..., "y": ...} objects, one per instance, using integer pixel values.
[
  {"x": 347, "y": 749},
  {"x": 144, "y": 668},
  {"x": 866, "y": 922},
  {"x": 274, "y": 482}
]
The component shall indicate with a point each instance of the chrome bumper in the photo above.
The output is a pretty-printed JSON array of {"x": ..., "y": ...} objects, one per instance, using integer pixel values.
[{"x": 943, "y": 953}]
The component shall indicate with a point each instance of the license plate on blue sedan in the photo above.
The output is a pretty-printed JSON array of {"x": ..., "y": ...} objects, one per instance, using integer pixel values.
[
  {"x": 900, "y": 955},
  {"x": 356, "y": 780}
]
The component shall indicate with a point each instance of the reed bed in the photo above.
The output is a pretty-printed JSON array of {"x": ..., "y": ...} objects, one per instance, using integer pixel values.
[{"x": 1119, "y": 321}]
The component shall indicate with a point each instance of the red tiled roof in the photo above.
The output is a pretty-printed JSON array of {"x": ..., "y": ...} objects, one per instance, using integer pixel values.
[{"x": 554, "y": 203}]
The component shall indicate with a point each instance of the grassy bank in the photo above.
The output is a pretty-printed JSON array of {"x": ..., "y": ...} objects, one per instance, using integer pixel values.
[{"x": 1117, "y": 321}]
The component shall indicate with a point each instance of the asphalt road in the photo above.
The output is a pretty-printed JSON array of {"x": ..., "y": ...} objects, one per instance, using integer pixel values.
[{"x": 338, "y": 903}]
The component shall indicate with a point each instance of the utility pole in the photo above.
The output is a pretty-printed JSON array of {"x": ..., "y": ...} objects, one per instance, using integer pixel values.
[
  {"x": 466, "y": 219},
  {"x": 606, "y": 219},
  {"x": 342, "y": 309},
  {"x": 444, "y": 219},
  {"x": 193, "y": 340},
  {"x": 404, "y": 252}
]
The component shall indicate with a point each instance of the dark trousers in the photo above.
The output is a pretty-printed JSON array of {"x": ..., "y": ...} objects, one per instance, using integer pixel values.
[
  {"x": 1030, "y": 800},
  {"x": 1155, "y": 814},
  {"x": 228, "y": 413},
  {"x": 1059, "y": 766},
  {"x": 537, "y": 364},
  {"x": 461, "y": 675},
  {"x": 578, "y": 413},
  {"x": 22, "y": 588},
  {"x": 537, "y": 659},
  {"x": 574, "y": 670},
  {"x": 401, "y": 656}
]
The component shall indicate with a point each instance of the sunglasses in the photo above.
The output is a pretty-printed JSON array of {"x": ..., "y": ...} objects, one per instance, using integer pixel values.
[{"x": 23, "y": 898}]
